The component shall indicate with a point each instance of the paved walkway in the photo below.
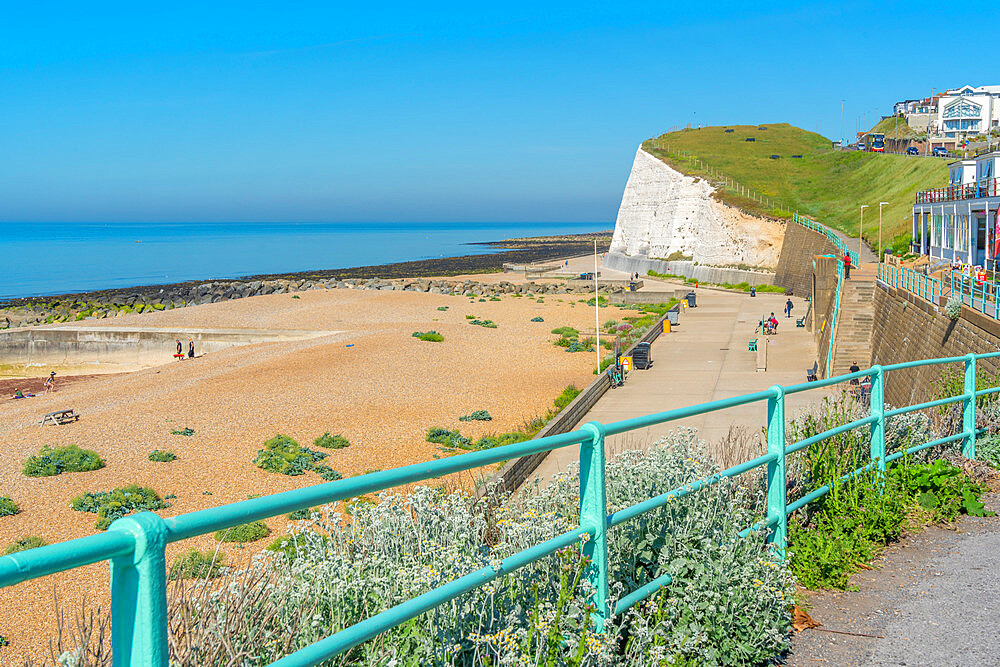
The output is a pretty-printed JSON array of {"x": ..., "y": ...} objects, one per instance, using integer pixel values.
[
  {"x": 703, "y": 359},
  {"x": 931, "y": 601}
]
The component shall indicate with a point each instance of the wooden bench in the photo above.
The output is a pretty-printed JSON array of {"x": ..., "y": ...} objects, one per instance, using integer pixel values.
[{"x": 59, "y": 417}]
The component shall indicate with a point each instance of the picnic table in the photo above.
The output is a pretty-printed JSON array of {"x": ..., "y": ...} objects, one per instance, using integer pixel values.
[{"x": 59, "y": 417}]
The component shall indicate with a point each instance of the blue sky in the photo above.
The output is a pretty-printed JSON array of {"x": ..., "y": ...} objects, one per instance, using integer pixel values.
[{"x": 335, "y": 111}]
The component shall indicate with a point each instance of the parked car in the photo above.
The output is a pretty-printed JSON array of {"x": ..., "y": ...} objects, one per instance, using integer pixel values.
[
  {"x": 939, "y": 151},
  {"x": 912, "y": 150}
]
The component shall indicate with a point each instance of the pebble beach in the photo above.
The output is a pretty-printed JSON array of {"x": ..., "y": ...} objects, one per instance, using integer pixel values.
[{"x": 367, "y": 379}]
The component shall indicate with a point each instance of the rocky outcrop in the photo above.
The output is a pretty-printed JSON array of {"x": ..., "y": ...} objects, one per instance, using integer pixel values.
[{"x": 667, "y": 215}]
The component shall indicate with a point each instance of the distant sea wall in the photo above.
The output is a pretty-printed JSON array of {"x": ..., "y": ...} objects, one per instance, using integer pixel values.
[{"x": 686, "y": 268}]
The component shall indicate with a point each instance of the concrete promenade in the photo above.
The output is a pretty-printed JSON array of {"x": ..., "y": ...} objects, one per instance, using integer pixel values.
[{"x": 703, "y": 359}]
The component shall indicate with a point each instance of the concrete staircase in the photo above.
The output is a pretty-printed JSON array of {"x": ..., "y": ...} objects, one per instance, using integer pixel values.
[{"x": 853, "y": 340}]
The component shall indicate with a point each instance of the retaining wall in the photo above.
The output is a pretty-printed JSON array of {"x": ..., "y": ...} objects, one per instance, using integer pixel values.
[
  {"x": 515, "y": 472},
  {"x": 795, "y": 262},
  {"x": 908, "y": 328},
  {"x": 823, "y": 288},
  {"x": 122, "y": 346},
  {"x": 703, "y": 272}
]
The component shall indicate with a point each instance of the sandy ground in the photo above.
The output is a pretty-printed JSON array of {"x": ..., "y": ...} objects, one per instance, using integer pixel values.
[{"x": 382, "y": 393}]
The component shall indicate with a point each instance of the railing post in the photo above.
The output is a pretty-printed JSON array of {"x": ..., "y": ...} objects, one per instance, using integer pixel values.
[
  {"x": 594, "y": 515},
  {"x": 139, "y": 594},
  {"x": 969, "y": 413},
  {"x": 776, "y": 497},
  {"x": 877, "y": 433}
]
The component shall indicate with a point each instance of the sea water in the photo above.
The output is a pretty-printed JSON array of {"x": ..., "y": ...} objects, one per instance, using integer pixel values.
[{"x": 59, "y": 258}]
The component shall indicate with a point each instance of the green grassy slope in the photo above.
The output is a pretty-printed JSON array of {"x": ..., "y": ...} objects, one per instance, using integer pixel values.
[
  {"x": 895, "y": 128},
  {"x": 824, "y": 184}
]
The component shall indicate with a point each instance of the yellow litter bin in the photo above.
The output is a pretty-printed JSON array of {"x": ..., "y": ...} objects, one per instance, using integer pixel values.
[{"x": 666, "y": 326}]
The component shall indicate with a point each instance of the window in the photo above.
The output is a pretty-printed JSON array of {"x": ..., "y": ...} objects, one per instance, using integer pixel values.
[
  {"x": 936, "y": 231},
  {"x": 949, "y": 231},
  {"x": 962, "y": 222},
  {"x": 962, "y": 109}
]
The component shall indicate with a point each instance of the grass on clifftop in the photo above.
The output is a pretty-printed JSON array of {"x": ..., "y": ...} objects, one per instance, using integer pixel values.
[{"x": 824, "y": 184}]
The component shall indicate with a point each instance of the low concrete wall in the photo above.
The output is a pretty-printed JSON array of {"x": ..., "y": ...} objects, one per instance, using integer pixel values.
[
  {"x": 709, "y": 274},
  {"x": 123, "y": 346},
  {"x": 516, "y": 472},
  {"x": 649, "y": 297}
]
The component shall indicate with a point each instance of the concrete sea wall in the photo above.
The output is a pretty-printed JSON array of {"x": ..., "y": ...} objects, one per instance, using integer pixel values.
[
  {"x": 109, "y": 348},
  {"x": 795, "y": 269},
  {"x": 689, "y": 269},
  {"x": 909, "y": 328}
]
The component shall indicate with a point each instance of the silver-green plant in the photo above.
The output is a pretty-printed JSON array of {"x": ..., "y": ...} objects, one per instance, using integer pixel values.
[{"x": 727, "y": 603}]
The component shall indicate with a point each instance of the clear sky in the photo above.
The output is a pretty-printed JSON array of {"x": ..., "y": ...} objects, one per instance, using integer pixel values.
[{"x": 415, "y": 111}]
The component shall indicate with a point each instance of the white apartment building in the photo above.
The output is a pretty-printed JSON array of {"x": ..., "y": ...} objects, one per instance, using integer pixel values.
[{"x": 967, "y": 111}]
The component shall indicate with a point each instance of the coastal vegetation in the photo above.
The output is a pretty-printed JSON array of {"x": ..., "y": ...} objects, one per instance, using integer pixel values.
[
  {"x": 162, "y": 456},
  {"x": 429, "y": 336},
  {"x": 23, "y": 544},
  {"x": 187, "y": 432},
  {"x": 116, "y": 503},
  {"x": 328, "y": 441},
  {"x": 57, "y": 460},
  {"x": 8, "y": 507},
  {"x": 194, "y": 564},
  {"x": 284, "y": 456},
  {"x": 247, "y": 532},
  {"x": 477, "y": 416},
  {"x": 487, "y": 324},
  {"x": 810, "y": 177}
]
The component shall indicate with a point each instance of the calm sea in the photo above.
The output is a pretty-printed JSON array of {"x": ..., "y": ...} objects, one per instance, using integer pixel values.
[{"x": 60, "y": 258}]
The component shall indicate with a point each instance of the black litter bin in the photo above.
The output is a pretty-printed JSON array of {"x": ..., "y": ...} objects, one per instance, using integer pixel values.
[
  {"x": 691, "y": 300},
  {"x": 631, "y": 286},
  {"x": 642, "y": 356}
]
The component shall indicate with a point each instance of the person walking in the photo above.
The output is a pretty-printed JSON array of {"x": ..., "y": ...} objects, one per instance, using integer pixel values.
[
  {"x": 191, "y": 348},
  {"x": 847, "y": 265},
  {"x": 180, "y": 348},
  {"x": 50, "y": 382},
  {"x": 788, "y": 308}
]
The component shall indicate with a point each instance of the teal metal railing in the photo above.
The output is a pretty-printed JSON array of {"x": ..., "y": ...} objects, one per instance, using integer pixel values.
[
  {"x": 903, "y": 278},
  {"x": 981, "y": 296},
  {"x": 135, "y": 545},
  {"x": 842, "y": 248}
]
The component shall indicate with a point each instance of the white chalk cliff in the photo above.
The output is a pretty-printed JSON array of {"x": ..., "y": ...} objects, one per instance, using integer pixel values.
[{"x": 664, "y": 212}]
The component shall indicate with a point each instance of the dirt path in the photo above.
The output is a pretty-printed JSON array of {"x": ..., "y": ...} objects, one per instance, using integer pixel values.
[{"x": 932, "y": 600}]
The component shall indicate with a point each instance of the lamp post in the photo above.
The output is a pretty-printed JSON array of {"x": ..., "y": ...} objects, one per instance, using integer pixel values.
[
  {"x": 861, "y": 229},
  {"x": 841, "y": 125},
  {"x": 880, "y": 205}
]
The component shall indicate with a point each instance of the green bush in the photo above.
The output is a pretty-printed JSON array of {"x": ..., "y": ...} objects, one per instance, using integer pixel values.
[
  {"x": 282, "y": 455},
  {"x": 564, "y": 341},
  {"x": 566, "y": 397},
  {"x": 429, "y": 336},
  {"x": 326, "y": 472},
  {"x": 448, "y": 438},
  {"x": 477, "y": 416},
  {"x": 162, "y": 456},
  {"x": 184, "y": 431},
  {"x": 8, "y": 507},
  {"x": 304, "y": 513},
  {"x": 114, "y": 504},
  {"x": 194, "y": 564},
  {"x": 23, "y": 544},
  {"x": 328, "y": 441},
  {"x": 442, "y": 308},
  {"x": 247, "y": 532},
  {"x": 56, "y": 460},
  {"x": 568, "y": 332},
  {"x": 488, "y": 324},
  {"x": 537, "y": 319}
]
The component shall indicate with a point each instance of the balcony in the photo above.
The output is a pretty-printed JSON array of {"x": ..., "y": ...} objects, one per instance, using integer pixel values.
[{"x": 986, "y": 188}]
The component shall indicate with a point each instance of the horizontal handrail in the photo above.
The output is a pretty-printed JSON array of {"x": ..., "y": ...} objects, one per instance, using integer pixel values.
[{"x": 143, "y": 537}]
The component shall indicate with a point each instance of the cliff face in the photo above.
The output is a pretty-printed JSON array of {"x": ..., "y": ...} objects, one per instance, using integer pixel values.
[{"x": 664, "y": 211}]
